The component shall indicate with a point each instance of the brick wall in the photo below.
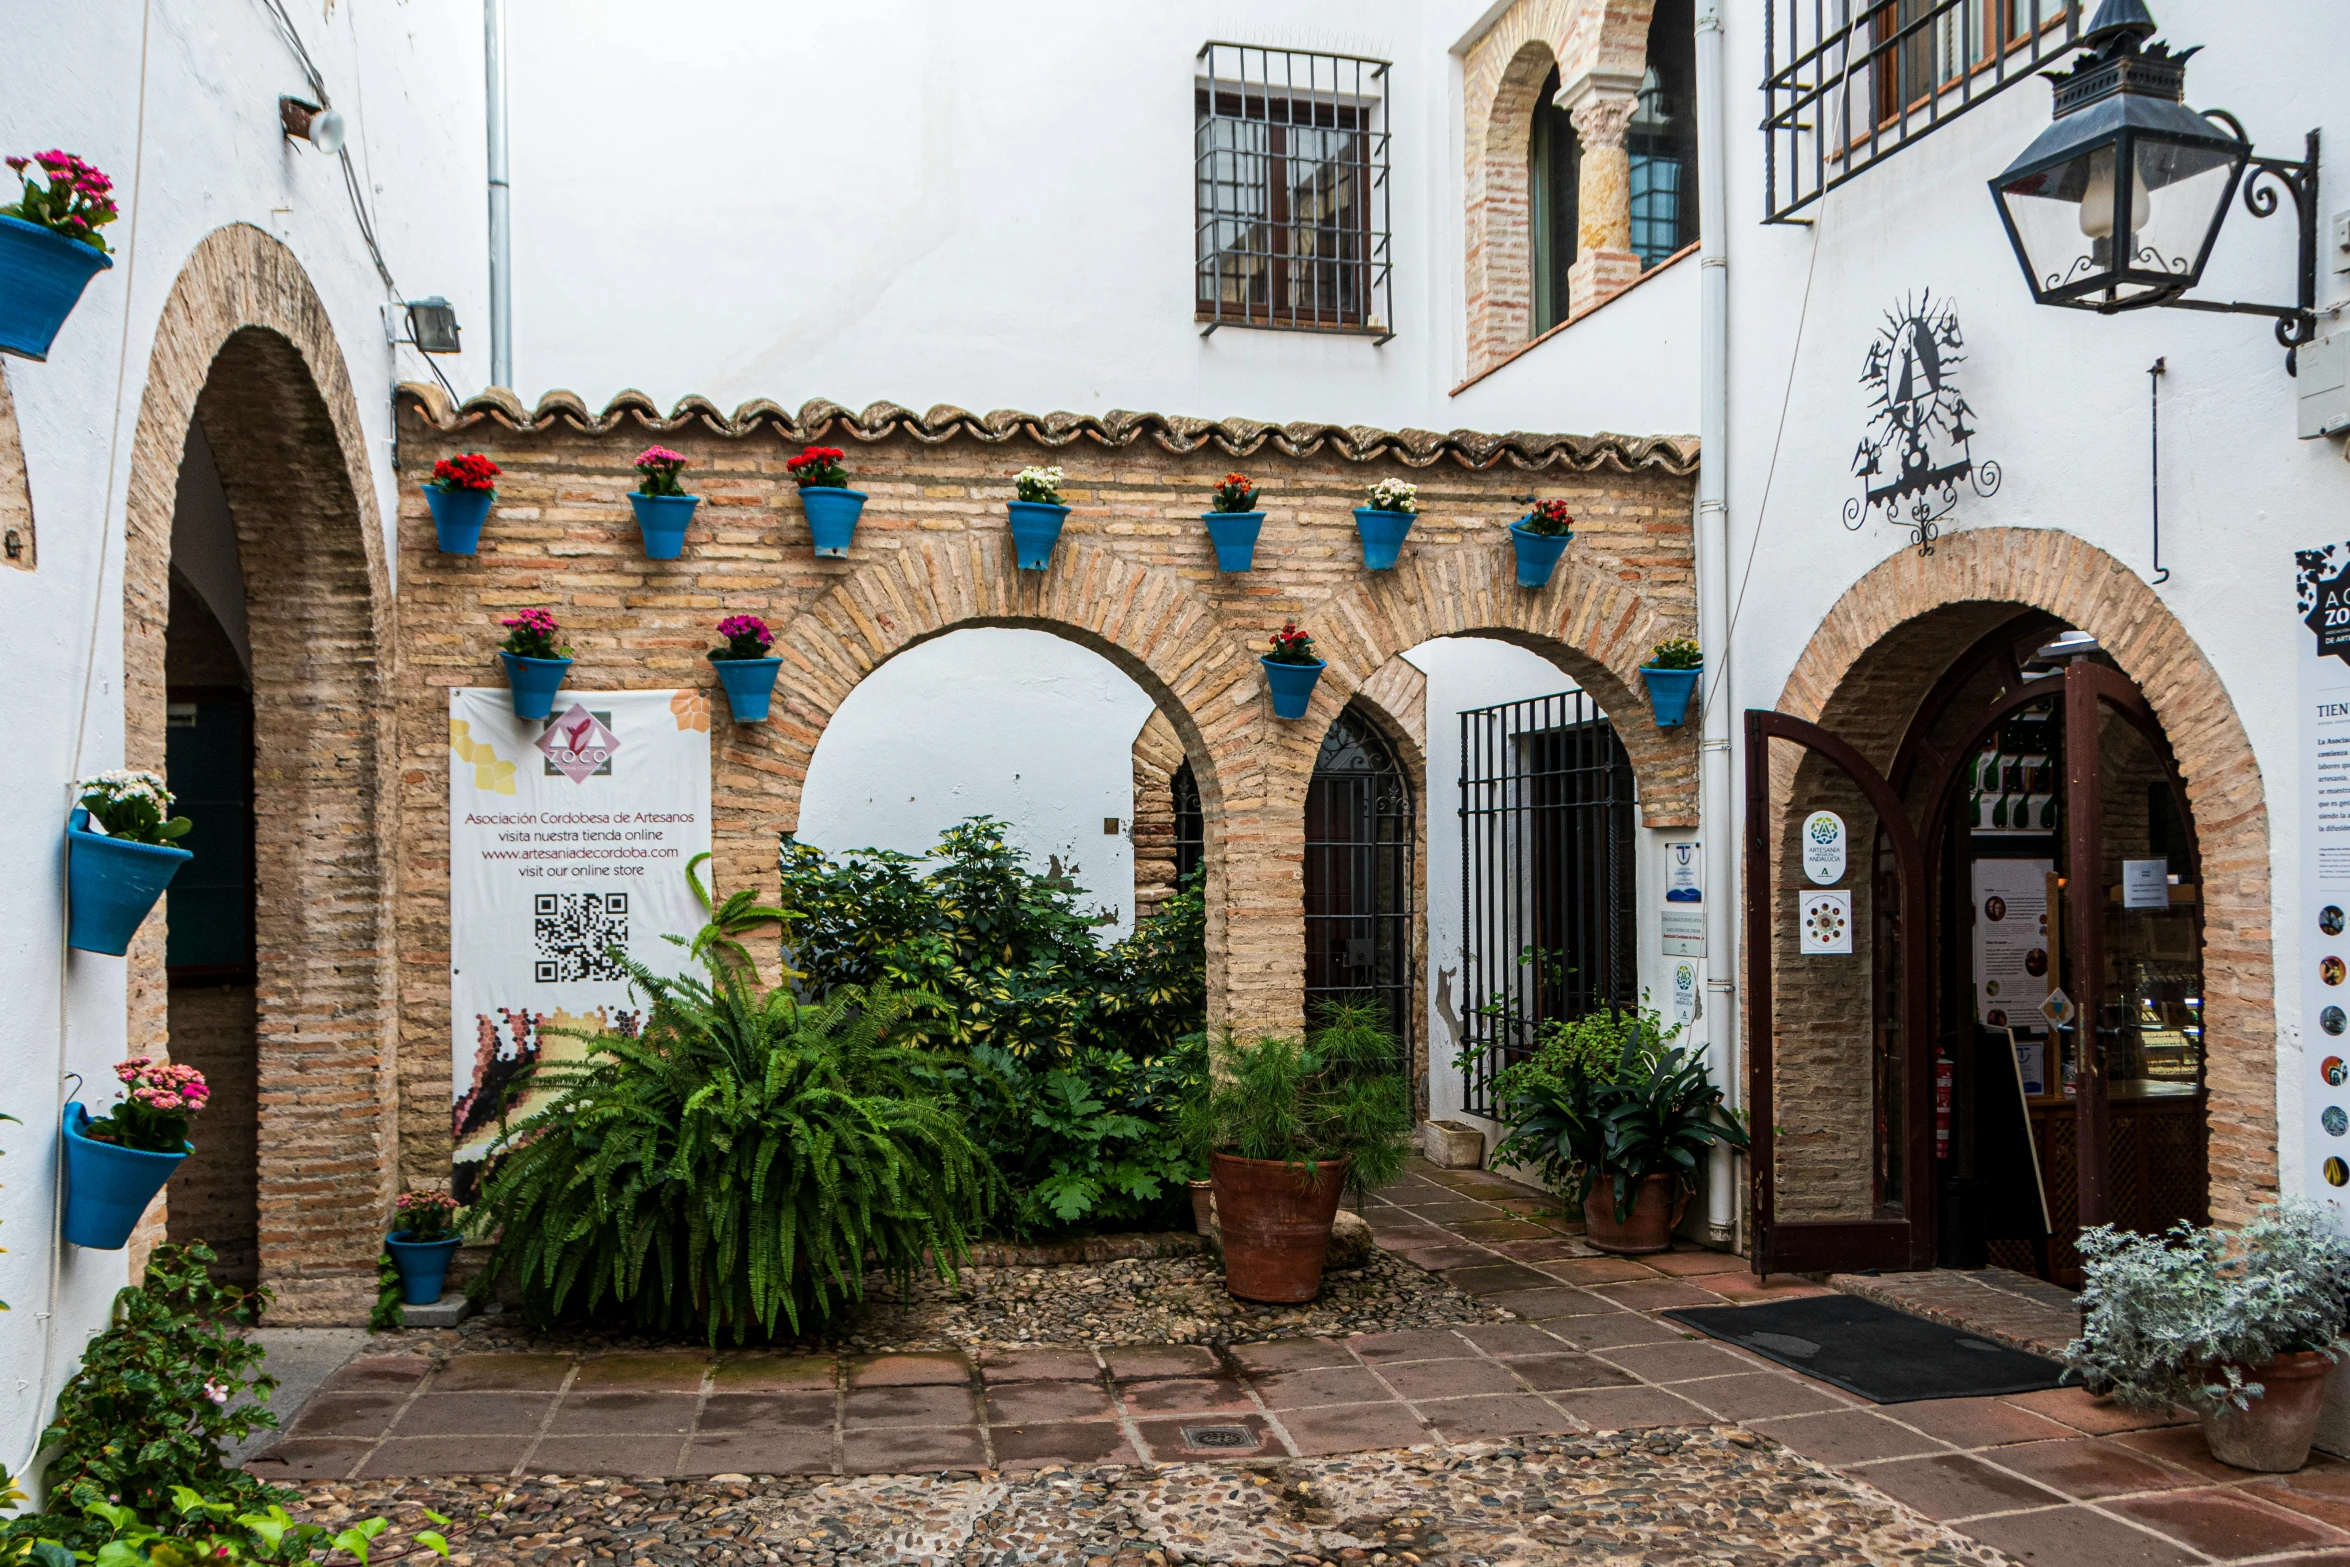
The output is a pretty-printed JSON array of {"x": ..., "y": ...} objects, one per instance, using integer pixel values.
[
  {"x": 215, "y": 1195},
  {"x": 1158, "y": 754}
]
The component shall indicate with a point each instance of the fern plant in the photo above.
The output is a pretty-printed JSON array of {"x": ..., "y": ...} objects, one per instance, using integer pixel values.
[
  {"x": 1339, "y": 1094},
  {"x": 737, "y": 1167}
]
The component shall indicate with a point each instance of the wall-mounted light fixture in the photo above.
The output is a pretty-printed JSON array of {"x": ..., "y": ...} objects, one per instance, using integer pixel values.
[
  {"x": 302, "y": 120},
  {"x": 2117, "y": 204}
]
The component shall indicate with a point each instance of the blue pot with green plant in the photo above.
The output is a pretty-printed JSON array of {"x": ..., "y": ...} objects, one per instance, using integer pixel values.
[
  {"x": 422, "y": 1244},
  {"x": 50, "y": 248},
  {"x": 1234, "y": 522},
  {"x": 663, "y": 510},
  {"x": 461, "y": 491},
  {"x": 1672, "y": 673},
  {"x": 744, "y": 668},
  {"x": 120, "y": 855},
  {"x": 115, "y": 1165},
  {"x": 535, "y": 665},
  {"x": 832, "y": 507},
  {"x": 1291, "y": 670},
  {"x": 1384, "y": 522},
  {"x": 1540, "y": 538},
  {"x": 1037, "y": 517}
]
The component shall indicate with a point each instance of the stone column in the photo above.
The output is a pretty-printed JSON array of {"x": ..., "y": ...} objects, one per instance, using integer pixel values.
[{"x": 1605, "y": 264}]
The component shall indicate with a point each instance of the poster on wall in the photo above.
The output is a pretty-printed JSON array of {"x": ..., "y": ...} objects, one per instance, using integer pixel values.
[
  {"x": 2012, "y": 973},
  {"x": 2323, "y": 606},
  {"x": 567, "y": 837}
]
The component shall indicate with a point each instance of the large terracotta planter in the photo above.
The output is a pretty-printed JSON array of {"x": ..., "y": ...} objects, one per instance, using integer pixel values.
[
  {"x": 1656, "y": 1208},
  {"x": 2273, "y": 1436},
  {"x": 1276, "y": 1227}
]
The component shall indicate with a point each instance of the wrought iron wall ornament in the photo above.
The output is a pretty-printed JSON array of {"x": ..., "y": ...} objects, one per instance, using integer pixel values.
[{"x": 1919, "y": 445}]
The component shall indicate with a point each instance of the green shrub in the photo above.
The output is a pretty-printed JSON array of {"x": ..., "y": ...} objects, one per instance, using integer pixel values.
[
  {"x": 196, "y": 1533},
  {"x": 1088, "y": 1143},
  {"x": 1339, "y": 1094},
  {"x": 738, "y": 1166}
]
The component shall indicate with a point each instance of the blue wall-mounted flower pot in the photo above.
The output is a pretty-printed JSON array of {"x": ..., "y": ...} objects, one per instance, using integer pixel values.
[
  {"x": 42, "y": 275},
  {"x": 1036, "y": 528},
  {"x": 1234, "y": 534},
  {"x": 1292, "y": 686},
  {"x": 1538, "y": 554},
  {"x": 457, "y": 516},
  {"x": 1382, "y": 533},
  {"x": 106, "y": 1187},
  {"x": 750, "y": 685},
  {"x": 423, "y": 1266},
  {"x": 832, "y": 517},
  {"x": 111, "y": 883},
  {"x": 534, "y": 682},
  {"x": 663, "y": 519},
  {"x": 1669, "y": 691}
]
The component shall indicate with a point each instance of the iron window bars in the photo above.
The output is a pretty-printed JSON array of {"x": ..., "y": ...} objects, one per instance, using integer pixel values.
[
  {"x": 1863, "y": 80},
  {"x": 1549, "y": 922},
  {"x": 1290, "y": 163},
  {"x": 1358, "y": 877}
]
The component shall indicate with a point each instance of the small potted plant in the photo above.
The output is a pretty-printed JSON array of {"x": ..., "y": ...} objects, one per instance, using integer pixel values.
[
  {"x": 1540, "y": 537},
  {"x": 1037, "y": 516},
  {"x": 832, "y": 507},
  {"x": 1234, "y": 522},
  {"x": 1607, "y": 1108},
  {"x": 423, "y": 1239},
  {"x": 535, "y": 665},
  {"x": 744, "y": 667},
  {"x": 120, "y": 855},
  {"x": 2242, "y": 1328},
  {"x": 663, "y": 509},
  {"x": 50, "y": 248},
  {"x": 1291, "y": 670},
  {"x": 1672, "y": 673},
  {"x": 114, "y": 1166},
  {"x": 1385, "y": 521},
  {"x": 1285, "y": 1127},
  {"x": 460, "y": 492}
]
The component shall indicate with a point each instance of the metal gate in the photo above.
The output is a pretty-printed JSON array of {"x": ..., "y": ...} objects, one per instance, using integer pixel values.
[
  {"x": 1549, "y": 929},
  {"x": 1358, "y": 874}
]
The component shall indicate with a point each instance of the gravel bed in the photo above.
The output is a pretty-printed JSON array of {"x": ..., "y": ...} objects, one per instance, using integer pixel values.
[
  {"x": 1167, "y": 1300},
  {"x": 1720, "y": 1497}
]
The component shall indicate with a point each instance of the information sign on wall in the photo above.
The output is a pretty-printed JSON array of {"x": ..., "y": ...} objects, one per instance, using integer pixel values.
[
  {"x": 567, "y": 837},
  {"x": 2012, "y": 973},
  {"x": 1827, "y": 923},
  {"x": 1823, "y": 848},
  {"x": 2320, "y": 947}
]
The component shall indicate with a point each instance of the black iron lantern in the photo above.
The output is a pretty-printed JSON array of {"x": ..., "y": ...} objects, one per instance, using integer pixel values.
[{"x": 2117, "y": 204}]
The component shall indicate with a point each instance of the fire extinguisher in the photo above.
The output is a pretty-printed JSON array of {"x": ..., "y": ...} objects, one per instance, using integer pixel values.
[{"x": 1944, "y": 1070}]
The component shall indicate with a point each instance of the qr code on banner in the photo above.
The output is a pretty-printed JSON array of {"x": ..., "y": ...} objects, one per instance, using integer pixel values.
[{"x": 574, "y": 930}]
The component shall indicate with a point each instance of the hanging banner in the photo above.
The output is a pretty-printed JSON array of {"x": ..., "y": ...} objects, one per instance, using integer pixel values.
[
  {"x": 567, "y": 837},
  {"x": 2323, "y": 582}
]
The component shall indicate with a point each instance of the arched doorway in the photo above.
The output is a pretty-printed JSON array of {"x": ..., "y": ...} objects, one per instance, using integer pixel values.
[{"x": 1360, "y": 831}]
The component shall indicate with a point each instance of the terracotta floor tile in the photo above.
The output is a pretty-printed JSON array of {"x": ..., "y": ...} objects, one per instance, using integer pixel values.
[
  {"x": 808, "y": 1410},
  {"x": 1481, "y": 1182},
  {"x": 1286, "y": 1390},
  {"x": 937, "y": 1369},
  {"x": 1660, "y": 1295},
  {"x": 1557, "y": 1249},
  {"x": 1630, "y": 1408},
  {"x": 349, "y": 1414},
  {"x": 1186, "y": 1396},
  {"x": 1425, "y": 1379},
  {"x": 1491, "y": 1278},
  {"x": 1684, "y": 1264},
  {"x": 1292, "y": 1354},
  {"x": 2183, "y": 1446},
  {"x": 1150, "y": 1362},
  {"x": 475, "y": 1414},
  {"x": 1953, "y": 1485},
  {"x": 1353, "y": 1428},
  {"x": 1558, "y": 1301},
  {"x": 1977, "y": 1422},
  {"x": 2096, "y": 1416},
  {"x": 1851, "y": 1436},
  {"x": 1065, "y": 1442},
  {"x": 603, "y": 1414},
  {"x": 2227, "y": 1524},
  {"x": 2086, "y": 1468},
  {"x": 371, "y": 1372},
  {"x": 1501, "y": 1228},
  {"x": 772, "y": 1373},
  {"x": 2320, "y": 1493},
  {"x": 1499, "y": 1414},
  {"x": 906, "y": 1406},
  {"x": 1512, "y": 1338},
  {"x": 1562, "y": 1372},
  {"x": 1679, "y": 1361},
  {"x": 632, "y": 1457},
  {"x": 1413, "y": 1344},
  {"x": 1033, "y": 1403},
  {"x": 1038, "y": 1365},
  {"x": 1197, "y": 1439},
  {"x": 502, "y": 1373},
  {"x": 911, "y": 1451},
  {"x": 1435, "y": 1259},
  {"x": 1744, "y": 1289},
  {"x": 758, "y": 1453},
  {"x": 443, "y": 1455},
  {"x": 2075, "y": 1537},
  {"x": 667, "y": 1373},
  {"x": 1599, "y": 1270},
  {"x": 308, "y": 1458},
  {"x": 1758, "y": 1395},
  {"x": 1612, "y": 1329}
]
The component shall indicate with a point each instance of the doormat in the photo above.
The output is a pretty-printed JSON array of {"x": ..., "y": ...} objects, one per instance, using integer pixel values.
[{"x": 1885, "y": 1356}]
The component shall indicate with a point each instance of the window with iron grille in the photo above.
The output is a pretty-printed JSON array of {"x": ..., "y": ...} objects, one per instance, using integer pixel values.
[
  {"x": 1358, "y": 874},
  {"x": 1290, "y": 165},
  {"x": 1849, "y": 83},
  {"x": 1191, "y": 828}
]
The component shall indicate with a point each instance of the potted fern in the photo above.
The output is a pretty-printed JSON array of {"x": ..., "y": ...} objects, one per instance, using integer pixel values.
[
  {"x": 460, "y": 492},
  {"x": 1233, "y": 522},
  {"x": 1384, "y": 522},
  {"x": 1672, "y": 673},
  {"x": 121, "y": 851},
  {"x": 1286, "y": 1127},
  {"x": 663, "y": 509},
  {"x": 832, "y": 507},
  {"x": 2242, "y": 1328},
  {"x": 1539, "y": 538},
  {"x": 1291, "y": 670},
  {"x": 50, "y": 248},
  {"x": 1037, "y": 516},
  {"x": 744, "y": 667},
  {"x": 535, "y": 663},
  {"x": 116, "y": 1164}
]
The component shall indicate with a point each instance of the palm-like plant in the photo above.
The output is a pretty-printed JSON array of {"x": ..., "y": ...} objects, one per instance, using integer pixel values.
[
  {"x": 740, "y": 1165},
  {"x": 1338, "y": 1095}
]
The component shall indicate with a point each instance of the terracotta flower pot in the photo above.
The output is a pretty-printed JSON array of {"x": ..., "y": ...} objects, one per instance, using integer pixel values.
[
  {"x": 1276, "y": 1226},
  {"x": 2273, "y": 1436},
  {"x": 1656, "y": 1208}
]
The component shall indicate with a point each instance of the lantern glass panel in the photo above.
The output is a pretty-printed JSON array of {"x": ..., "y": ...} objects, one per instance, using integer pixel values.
[
  {"x": 2053, "y": 228},
  {"x": 2183, "y": 191}
]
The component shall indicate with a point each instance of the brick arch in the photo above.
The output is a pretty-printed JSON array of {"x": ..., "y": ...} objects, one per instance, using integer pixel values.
[
  {"x": 245, "y": 347},
  {"x": 1500, "y": 238},
  {"x": 2087, "y": 588}
]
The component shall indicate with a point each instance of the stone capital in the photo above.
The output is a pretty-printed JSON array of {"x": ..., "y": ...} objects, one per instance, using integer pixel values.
[
  {"x": 1572, "y": 94},
  {"x": 1600, "y": 121}
]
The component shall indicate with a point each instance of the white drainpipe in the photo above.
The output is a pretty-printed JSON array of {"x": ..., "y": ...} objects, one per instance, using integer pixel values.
[
  {"x": 493, "y": 23},
  {"x": 1719, "y": 798}
]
